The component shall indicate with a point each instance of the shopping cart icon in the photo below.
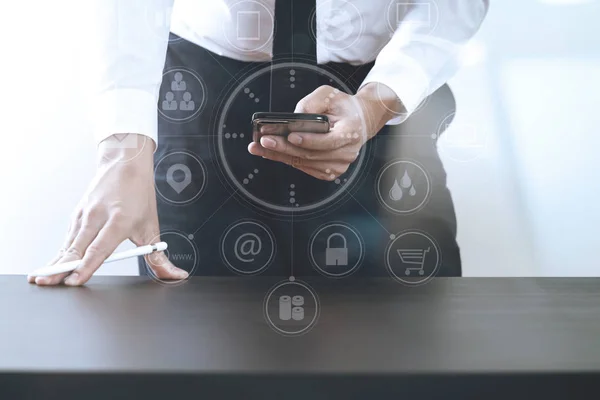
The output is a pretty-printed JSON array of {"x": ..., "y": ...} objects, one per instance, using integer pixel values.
[{"x": 413, "y": 257}]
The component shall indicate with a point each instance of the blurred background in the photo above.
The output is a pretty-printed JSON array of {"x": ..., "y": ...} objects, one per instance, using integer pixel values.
[{"x": 530, "y": 83}]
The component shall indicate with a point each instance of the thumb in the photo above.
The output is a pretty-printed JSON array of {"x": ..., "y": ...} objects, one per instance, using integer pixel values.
[
  {"x": 316, "y": 102},
  {"x": 158, "y": 262},
  {"x": 163, "y": 268}
]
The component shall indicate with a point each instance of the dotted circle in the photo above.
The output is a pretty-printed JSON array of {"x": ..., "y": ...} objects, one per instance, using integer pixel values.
[{"x": 241, "y": 187}]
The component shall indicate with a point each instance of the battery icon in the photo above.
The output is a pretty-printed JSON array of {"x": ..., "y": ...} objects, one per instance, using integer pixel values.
[
  {"x": 285, "y": 308},
  {"x": 298, "y": 313},
  {"x": 298, "y": 301}
]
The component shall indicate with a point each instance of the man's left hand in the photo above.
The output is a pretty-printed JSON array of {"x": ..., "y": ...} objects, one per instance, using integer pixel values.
[{"x": 353, "y": 121}]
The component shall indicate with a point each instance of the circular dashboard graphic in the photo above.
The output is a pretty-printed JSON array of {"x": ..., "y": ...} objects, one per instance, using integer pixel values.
[{"x": 274, "y": 186}]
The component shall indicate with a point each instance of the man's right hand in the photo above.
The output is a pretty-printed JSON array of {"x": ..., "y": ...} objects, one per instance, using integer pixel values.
[{"x": 120, "y": 204}]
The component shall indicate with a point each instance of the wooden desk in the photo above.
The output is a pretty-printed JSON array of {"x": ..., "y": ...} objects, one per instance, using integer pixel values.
[{"x": 454, "y": 338}]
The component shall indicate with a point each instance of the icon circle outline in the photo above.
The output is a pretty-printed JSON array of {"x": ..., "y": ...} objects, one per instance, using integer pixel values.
[
  {"x": 314, "y": 28},
  {"x": 313, "y": 321},
  {"x": 269, "y": 233},
  {"x": 267, "y": 42},
  {"x": 199, "y": 192},
  {"x": 194, "y": 250},
  {"x": 380, "y": 196},
  {"x": 400, "y": 278},
  {"x": 316, "y": 265},
  {"x": 199, "y": 106}
]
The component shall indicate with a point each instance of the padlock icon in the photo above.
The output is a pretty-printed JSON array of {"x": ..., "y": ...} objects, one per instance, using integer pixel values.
[{"x": 336, "y": 255}]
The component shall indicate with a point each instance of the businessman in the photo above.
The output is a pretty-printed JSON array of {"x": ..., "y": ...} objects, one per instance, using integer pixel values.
[{"x": 175, "y": 86}]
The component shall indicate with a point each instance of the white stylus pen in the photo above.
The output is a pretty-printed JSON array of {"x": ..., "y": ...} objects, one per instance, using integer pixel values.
[{"x": 71, "y": 265}]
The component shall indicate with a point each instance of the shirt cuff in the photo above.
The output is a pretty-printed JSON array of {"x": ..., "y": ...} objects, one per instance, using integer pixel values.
[
  {"x": 408, "y": 80},
  {"x": 125, "y": 111}
]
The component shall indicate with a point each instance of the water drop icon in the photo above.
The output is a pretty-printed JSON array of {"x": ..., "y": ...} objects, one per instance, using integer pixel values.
[
  {"x": 395, "y": 191},
  {"x": 412, "y": 191},
  {"x": 405, "y": 182}
]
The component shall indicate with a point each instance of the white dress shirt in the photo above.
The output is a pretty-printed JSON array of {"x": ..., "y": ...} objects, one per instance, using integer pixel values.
[{"x": 415, "y": 45}]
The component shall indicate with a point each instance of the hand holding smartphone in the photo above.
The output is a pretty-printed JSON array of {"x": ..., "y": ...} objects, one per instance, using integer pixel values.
[{"x": 282, "y": 124}]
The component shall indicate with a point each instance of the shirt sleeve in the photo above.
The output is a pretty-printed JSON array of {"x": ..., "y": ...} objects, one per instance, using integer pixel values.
[
  {"x": 423, "y": 52},
  {"x": 123, "y": 63}
]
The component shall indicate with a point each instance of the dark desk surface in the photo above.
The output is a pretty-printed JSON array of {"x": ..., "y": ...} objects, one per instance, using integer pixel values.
[{"x": 216, "y": 327}]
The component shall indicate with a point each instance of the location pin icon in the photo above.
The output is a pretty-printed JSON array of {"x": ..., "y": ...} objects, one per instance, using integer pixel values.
[{"x": 187, "y": 177}]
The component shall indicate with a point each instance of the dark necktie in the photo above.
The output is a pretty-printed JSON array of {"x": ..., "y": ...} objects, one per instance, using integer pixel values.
[{"x": 295, "y": 28}]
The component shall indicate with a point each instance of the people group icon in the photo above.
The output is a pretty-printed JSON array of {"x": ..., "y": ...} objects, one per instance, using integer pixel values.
[{"x": 186, "y": 103}]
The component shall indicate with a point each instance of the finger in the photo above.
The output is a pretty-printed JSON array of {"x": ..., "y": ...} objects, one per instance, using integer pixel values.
[
  {"x": 72, "y": 231},
  {"x": 271, "y": 129},
  {"x": 104, "y": 244},
  {"x": 74, "y": 252},
  {"x": 281, "y": 145},
  {"x": 316, "y": 102},
  {"x": 316, "y": 173},
  {"x": 335, "y": 139},
  {"x": 58, "y": 278},
  {"x": 85, "y": 237},
  {"x": 163, "y": 268},
  {"x": 330, "y": 170},
  {"x": 78, "y": 248},
  {"x": 60, "y": 254},
  {"x": 31, "y": 278},
  {"x": 158, "y": 262},
  {"x": 255, "y": 149},
  {"x": 260, "y": 151}
]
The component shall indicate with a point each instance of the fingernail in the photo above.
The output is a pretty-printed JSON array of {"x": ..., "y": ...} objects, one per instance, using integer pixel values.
[
  {"x": 268, "y": 142},
  {"x": 182, "y": 274},
  {"x": 178, "y": 273},
  {"x": 294, "y": 138},
  {"x": 40, "y": 280},
  {"x": 72, "y": 279},
  {"x": 254, "y": 149}
]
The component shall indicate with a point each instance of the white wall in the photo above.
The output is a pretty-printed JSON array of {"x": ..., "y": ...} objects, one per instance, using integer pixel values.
[
  {"x": 525, "y": 207},
  {"x": 47, "y": 154},
  {"x": 544, "y": 62},
  {"x": 493, "y": 232}
]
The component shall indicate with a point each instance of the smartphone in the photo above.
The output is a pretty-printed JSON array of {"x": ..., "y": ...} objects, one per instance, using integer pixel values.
[{"x": 278, "y": 123}]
